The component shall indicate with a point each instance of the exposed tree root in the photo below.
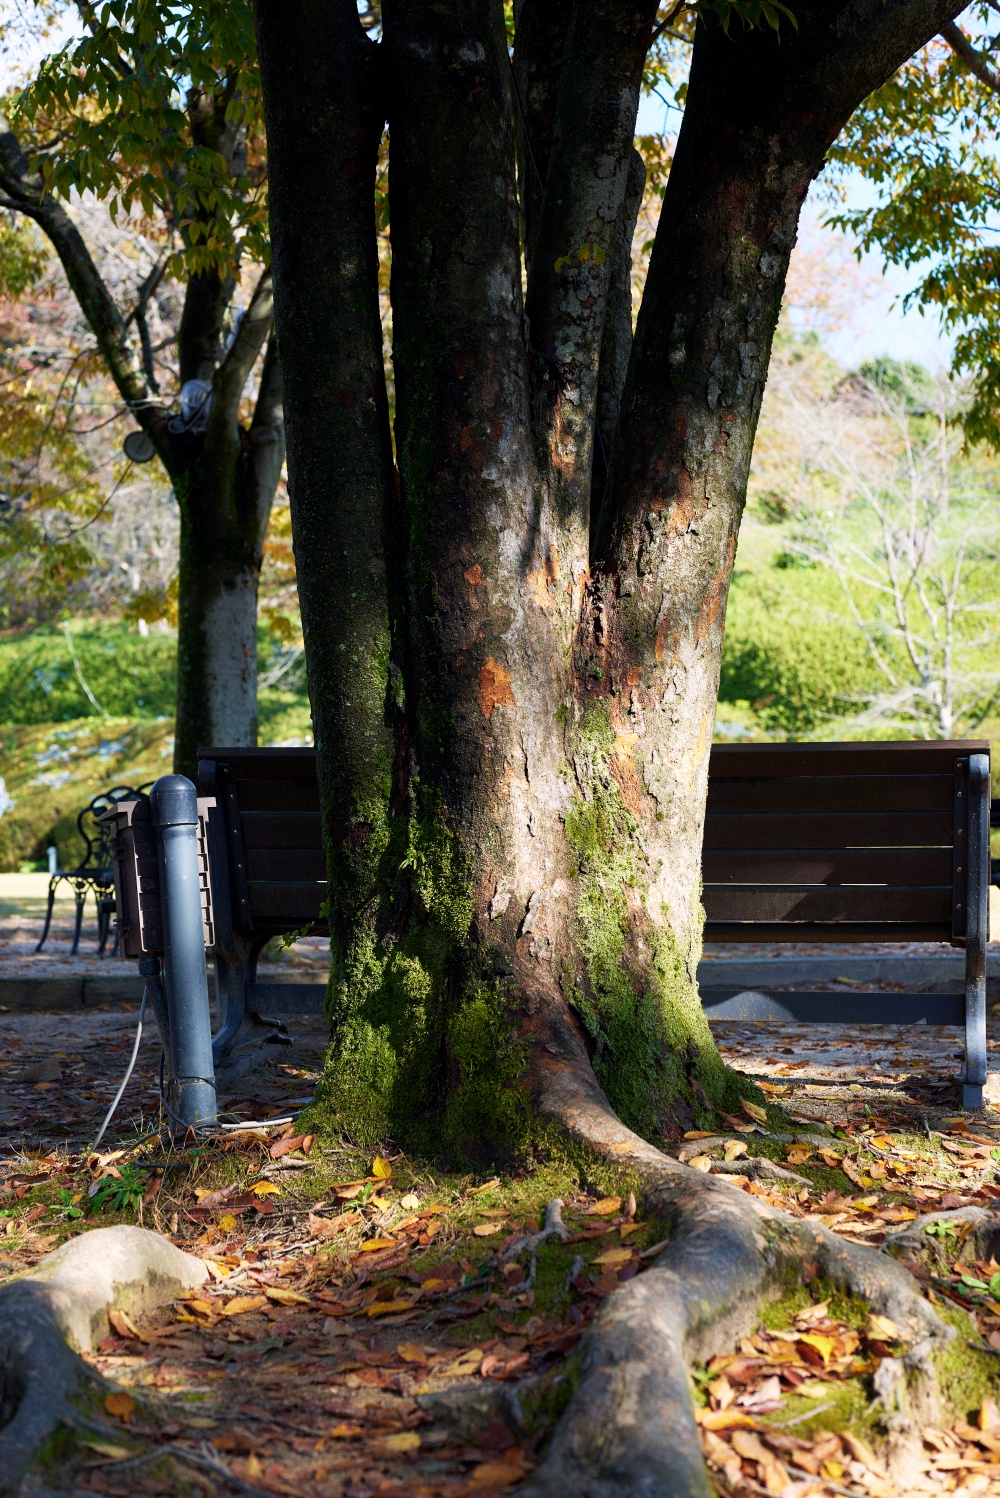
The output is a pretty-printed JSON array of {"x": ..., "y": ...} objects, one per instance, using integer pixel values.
[
  {"x": 630, "y": 1427},
  {"x": 60, "y": 1310}
]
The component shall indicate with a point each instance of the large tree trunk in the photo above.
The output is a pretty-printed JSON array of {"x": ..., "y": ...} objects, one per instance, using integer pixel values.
[
  {"x": 514, "y": 704},
  {"x": 517, "y": 900}
]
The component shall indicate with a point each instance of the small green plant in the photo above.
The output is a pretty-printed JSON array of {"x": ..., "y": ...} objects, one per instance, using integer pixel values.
[
  {"x": 122, "y": 1192},
  {"x": 66, "y": 1205},
  {"x": 941, "y": 1230}
]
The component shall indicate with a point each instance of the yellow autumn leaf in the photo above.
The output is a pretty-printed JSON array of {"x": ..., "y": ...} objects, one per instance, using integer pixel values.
[
  {"x": 389, "y": 1307},
  {"x": 723, "y": 1419},
  {"x": 881, "y": 1329},
  {"x": 604, "y": 1207},
  {"x": 404, "y": 1440},
  {"x": 106, "y": 1448},
  {"x": 216, "y": 1270},
  {"x": 486, "y": 1186},
  {"x": 467, "y": 1363},
  {"x": 242, "y": 1303},
  {"x": 433, "y": 1284},
  {"x": 202, "y": 1307},
  {"x": 754, "y": 1111},
  {"x": 798, "y": 1154},
  {"x": 484, "y": 1229},
  {"x": 254, "y": 1466},
  {"x": 735, "y": 1149},
  {"x": 699, "y": 1134},
  {"x": 614, "y": 1256},
  {"x": 381, "y": 1169},
  {"x": 228, "y": 1223},
  {"x": 410, "y": 1201},
  {"x": 627, "y": 1228},
  {"x": 265, "y": 1188},
  {"x": 814, "y": 1389},
  {"x": 286, "y": 1297},
  {"x": 120, "y": 1404},
  {"x": 701, "y": 1162},
  {"x": 822, "y": 1345},
  {"x": 374, "y": 1244}
]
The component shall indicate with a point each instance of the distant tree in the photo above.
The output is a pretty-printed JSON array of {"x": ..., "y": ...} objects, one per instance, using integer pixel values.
[
  {"x": 914, "y": 538},
  {"x": 927, "y": 142},
  {"x": 155, "y": 112}
]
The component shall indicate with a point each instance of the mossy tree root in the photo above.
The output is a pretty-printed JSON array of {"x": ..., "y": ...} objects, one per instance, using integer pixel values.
[
  {"x": 630, "y": 1427},
  {"x": 60, "y": 1310}
]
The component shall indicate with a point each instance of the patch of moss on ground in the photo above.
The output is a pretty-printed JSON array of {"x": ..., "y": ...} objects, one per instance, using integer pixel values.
[
  {"x": 779, "y": 1315},
  {"x": 966, "y": 1377},
  {"x": 847, "y": 1407}
]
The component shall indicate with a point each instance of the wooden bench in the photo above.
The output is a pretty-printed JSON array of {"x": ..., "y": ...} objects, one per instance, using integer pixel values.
[
  {"x": 269, "y": 879},
  {"x": 803, "y": 842},
  {"x": 884, "y": 842}
]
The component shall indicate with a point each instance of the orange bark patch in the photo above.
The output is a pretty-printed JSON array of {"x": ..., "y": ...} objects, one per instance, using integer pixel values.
[
  {"x": 628, "y": 783},
  {"x": 474, "y": 574},
  {"x": 684, "y": 507},
  {"x": 661, "y": 636},
  {"x": 494, "y": 688},
  {"x": 712, "y": 601},
  {"x": 544, "y": 578},
  {"x": 634, "y": 675}
]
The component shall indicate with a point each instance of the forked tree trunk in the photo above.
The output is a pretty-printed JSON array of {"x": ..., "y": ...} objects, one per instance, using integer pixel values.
[{"x": 514, "y": 699}]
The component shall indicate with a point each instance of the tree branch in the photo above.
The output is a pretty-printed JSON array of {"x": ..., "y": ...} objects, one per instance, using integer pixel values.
[
  {"x": 25, "y": 193},
  {"x": 974, "y": 60},
  {"x": 239, "y": 359}
]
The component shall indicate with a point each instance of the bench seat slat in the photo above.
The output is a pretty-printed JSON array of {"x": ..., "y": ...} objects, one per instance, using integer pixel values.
[
  {"x": 909, "y": 866},
  {"x": 777, "y": 932},
  {"x": 838, "y": 829},
  {"x": 826, "y": 903},
  {"x": 855, "y": 793}
]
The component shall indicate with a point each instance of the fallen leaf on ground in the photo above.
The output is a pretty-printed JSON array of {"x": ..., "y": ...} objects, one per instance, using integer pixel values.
[
  {"x": 240, "y": 1304},
  {"x": 121, "y": 1323},
  {"x": 265, "y": 1188},
  {"x": 735, "y": 1149},
  {"x": 604, "y": 1207},
  {"x": 467, "y": 1363},
  {"x": 614, "y": 1256},
  {"x": 754, "y": 1111},
  {"x": 381, "y": 1169},
  {"x": 410, "y": 1201},
  {"x": 389, "y": 1307},
  {"x": 486, "y": 1185},
  {"x": 881, "y": 1329},
  {"x": 405, "y": 1440},
  {"x": 373, "y": 1245},
  {"x": 120, "y": 1404},
  {"x": 411, "y": 1352},
  {"x": 484, "y": 1229},
  {"x": 105, "y": 1448},
  {"x": 286, "y": 1297},
  {"x": 329, "y": 1227}
]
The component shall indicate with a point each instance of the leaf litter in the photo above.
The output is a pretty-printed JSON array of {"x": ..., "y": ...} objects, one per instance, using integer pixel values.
[{"x": 351, "y": 1298}]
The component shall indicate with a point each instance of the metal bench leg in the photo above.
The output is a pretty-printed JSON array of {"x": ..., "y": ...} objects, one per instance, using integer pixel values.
[
  {"x": 48, "y": 914},
  {"x": 80, "y": 902},
  {"x": 977, "y": 918}
]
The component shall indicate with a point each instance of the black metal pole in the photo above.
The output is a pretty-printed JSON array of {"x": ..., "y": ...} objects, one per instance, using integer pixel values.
[{"x": 174, "y": 805}]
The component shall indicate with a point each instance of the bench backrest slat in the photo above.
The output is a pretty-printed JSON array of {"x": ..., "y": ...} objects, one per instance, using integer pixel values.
[{"x": 864, "y": 838}]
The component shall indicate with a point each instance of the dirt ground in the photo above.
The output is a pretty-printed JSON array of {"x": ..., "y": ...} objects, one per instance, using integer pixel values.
[{"x": 375, "y": 1326}]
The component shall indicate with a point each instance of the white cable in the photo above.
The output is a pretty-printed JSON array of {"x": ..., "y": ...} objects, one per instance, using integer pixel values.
[{"x": 128, "y": 1073}]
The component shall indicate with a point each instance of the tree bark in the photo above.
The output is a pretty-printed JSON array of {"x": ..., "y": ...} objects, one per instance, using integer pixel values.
[{"x": 530, "y": 939}]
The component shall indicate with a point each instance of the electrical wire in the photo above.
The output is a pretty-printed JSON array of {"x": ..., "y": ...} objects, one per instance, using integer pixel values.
[{"x": 125, "y": 1080}]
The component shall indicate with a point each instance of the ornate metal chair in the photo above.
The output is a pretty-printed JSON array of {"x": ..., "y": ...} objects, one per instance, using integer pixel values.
[{"x": 96, "y": 869}]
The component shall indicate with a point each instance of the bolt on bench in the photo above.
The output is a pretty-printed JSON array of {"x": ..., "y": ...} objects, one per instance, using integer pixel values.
[{"x": 885, "y": 842}]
